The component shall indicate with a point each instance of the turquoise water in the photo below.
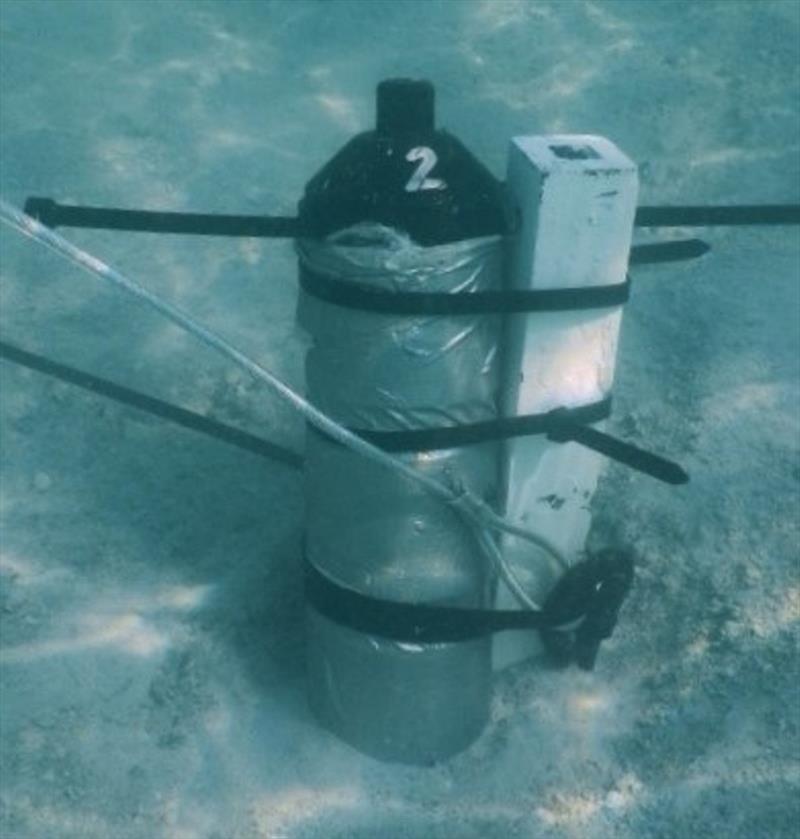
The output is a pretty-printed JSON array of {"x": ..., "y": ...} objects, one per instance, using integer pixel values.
[{"x": 151, "y": 663}]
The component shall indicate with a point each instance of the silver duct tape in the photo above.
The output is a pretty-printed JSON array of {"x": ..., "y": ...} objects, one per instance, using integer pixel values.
[
  {"x": 377, "y": 532},
  {"x": 374, "y": 530},
  {"x": 387, "y": 372},
  {"x": 408, "y": 703}
]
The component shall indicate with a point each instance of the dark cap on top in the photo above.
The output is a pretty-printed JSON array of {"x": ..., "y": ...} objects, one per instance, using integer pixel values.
[{"x": 404, "y": 106}]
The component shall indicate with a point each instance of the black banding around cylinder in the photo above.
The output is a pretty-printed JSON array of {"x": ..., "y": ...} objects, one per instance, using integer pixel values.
[
  {"x": 501, "y": 428},
  {"x": 586, "y": 598},
  {"x": 561, "y": 425},
  {"x": 408, "y": 622},
  {"x": 341, "y": 292}
]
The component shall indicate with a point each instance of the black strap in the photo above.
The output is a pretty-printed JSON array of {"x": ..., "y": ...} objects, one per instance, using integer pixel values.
[
  {"x": 564, "y": 429},
  {"x": 580, "y": 612},
  {"x": 405, "y": 441},
  {"x": 561, "y": 425},
  {"x": 502, "y": 428},
  {"x": 53, "y": 215},
  {"x": 340, "y": 292},
  {"x": 156, "y": 407},
  {"x": 710, "y": 216},
  {"x": 661, "y": 252},
  {"x": 421, "y": 623}
]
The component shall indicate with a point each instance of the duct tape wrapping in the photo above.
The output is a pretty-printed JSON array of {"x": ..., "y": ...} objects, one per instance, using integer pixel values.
[
  {"x": 375, "y": 531},
  {"x": 390, "y": 372}
]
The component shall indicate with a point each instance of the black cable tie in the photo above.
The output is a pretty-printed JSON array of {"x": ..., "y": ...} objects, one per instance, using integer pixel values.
[
  {"x": 660, "y": 252},
  {"x": 151, "y": 405},
  {"x": 421, "y": 623},
  {"x": 53, "y": 215},
  {"x": 590, "y": 594},
  {"x": 561, "y": 425},
  {"x": 501, "y": 428},
  {"x": 567, "y": 424},
  {"x": 564, "y": 428},
  {"x": 742, "y": 214},
  {"x": 341, "y": 292}
]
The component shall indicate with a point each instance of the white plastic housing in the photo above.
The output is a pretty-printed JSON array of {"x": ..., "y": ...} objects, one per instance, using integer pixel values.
[{"x": 576, "y": 200}]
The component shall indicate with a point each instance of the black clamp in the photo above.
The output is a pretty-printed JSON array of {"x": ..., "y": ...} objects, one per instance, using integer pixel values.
[{"x": 582, "y": 609}]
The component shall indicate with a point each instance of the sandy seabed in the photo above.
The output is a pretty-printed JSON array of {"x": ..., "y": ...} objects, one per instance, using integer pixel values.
[{"x": 151, "y": 668}]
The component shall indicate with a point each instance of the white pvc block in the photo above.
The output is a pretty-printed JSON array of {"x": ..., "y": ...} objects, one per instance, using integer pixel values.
[{"x": 576, "y": 199}]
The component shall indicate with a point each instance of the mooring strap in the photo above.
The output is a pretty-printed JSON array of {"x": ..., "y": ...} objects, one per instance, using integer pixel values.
[{"x": 350, "y": 295}]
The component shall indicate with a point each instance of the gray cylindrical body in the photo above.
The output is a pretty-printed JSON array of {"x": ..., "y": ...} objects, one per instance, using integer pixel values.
[{"x": 375, "y": 531}]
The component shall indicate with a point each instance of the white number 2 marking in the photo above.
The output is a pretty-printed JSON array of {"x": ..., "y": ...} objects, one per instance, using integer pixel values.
[{"x": 420, "y": 180}]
